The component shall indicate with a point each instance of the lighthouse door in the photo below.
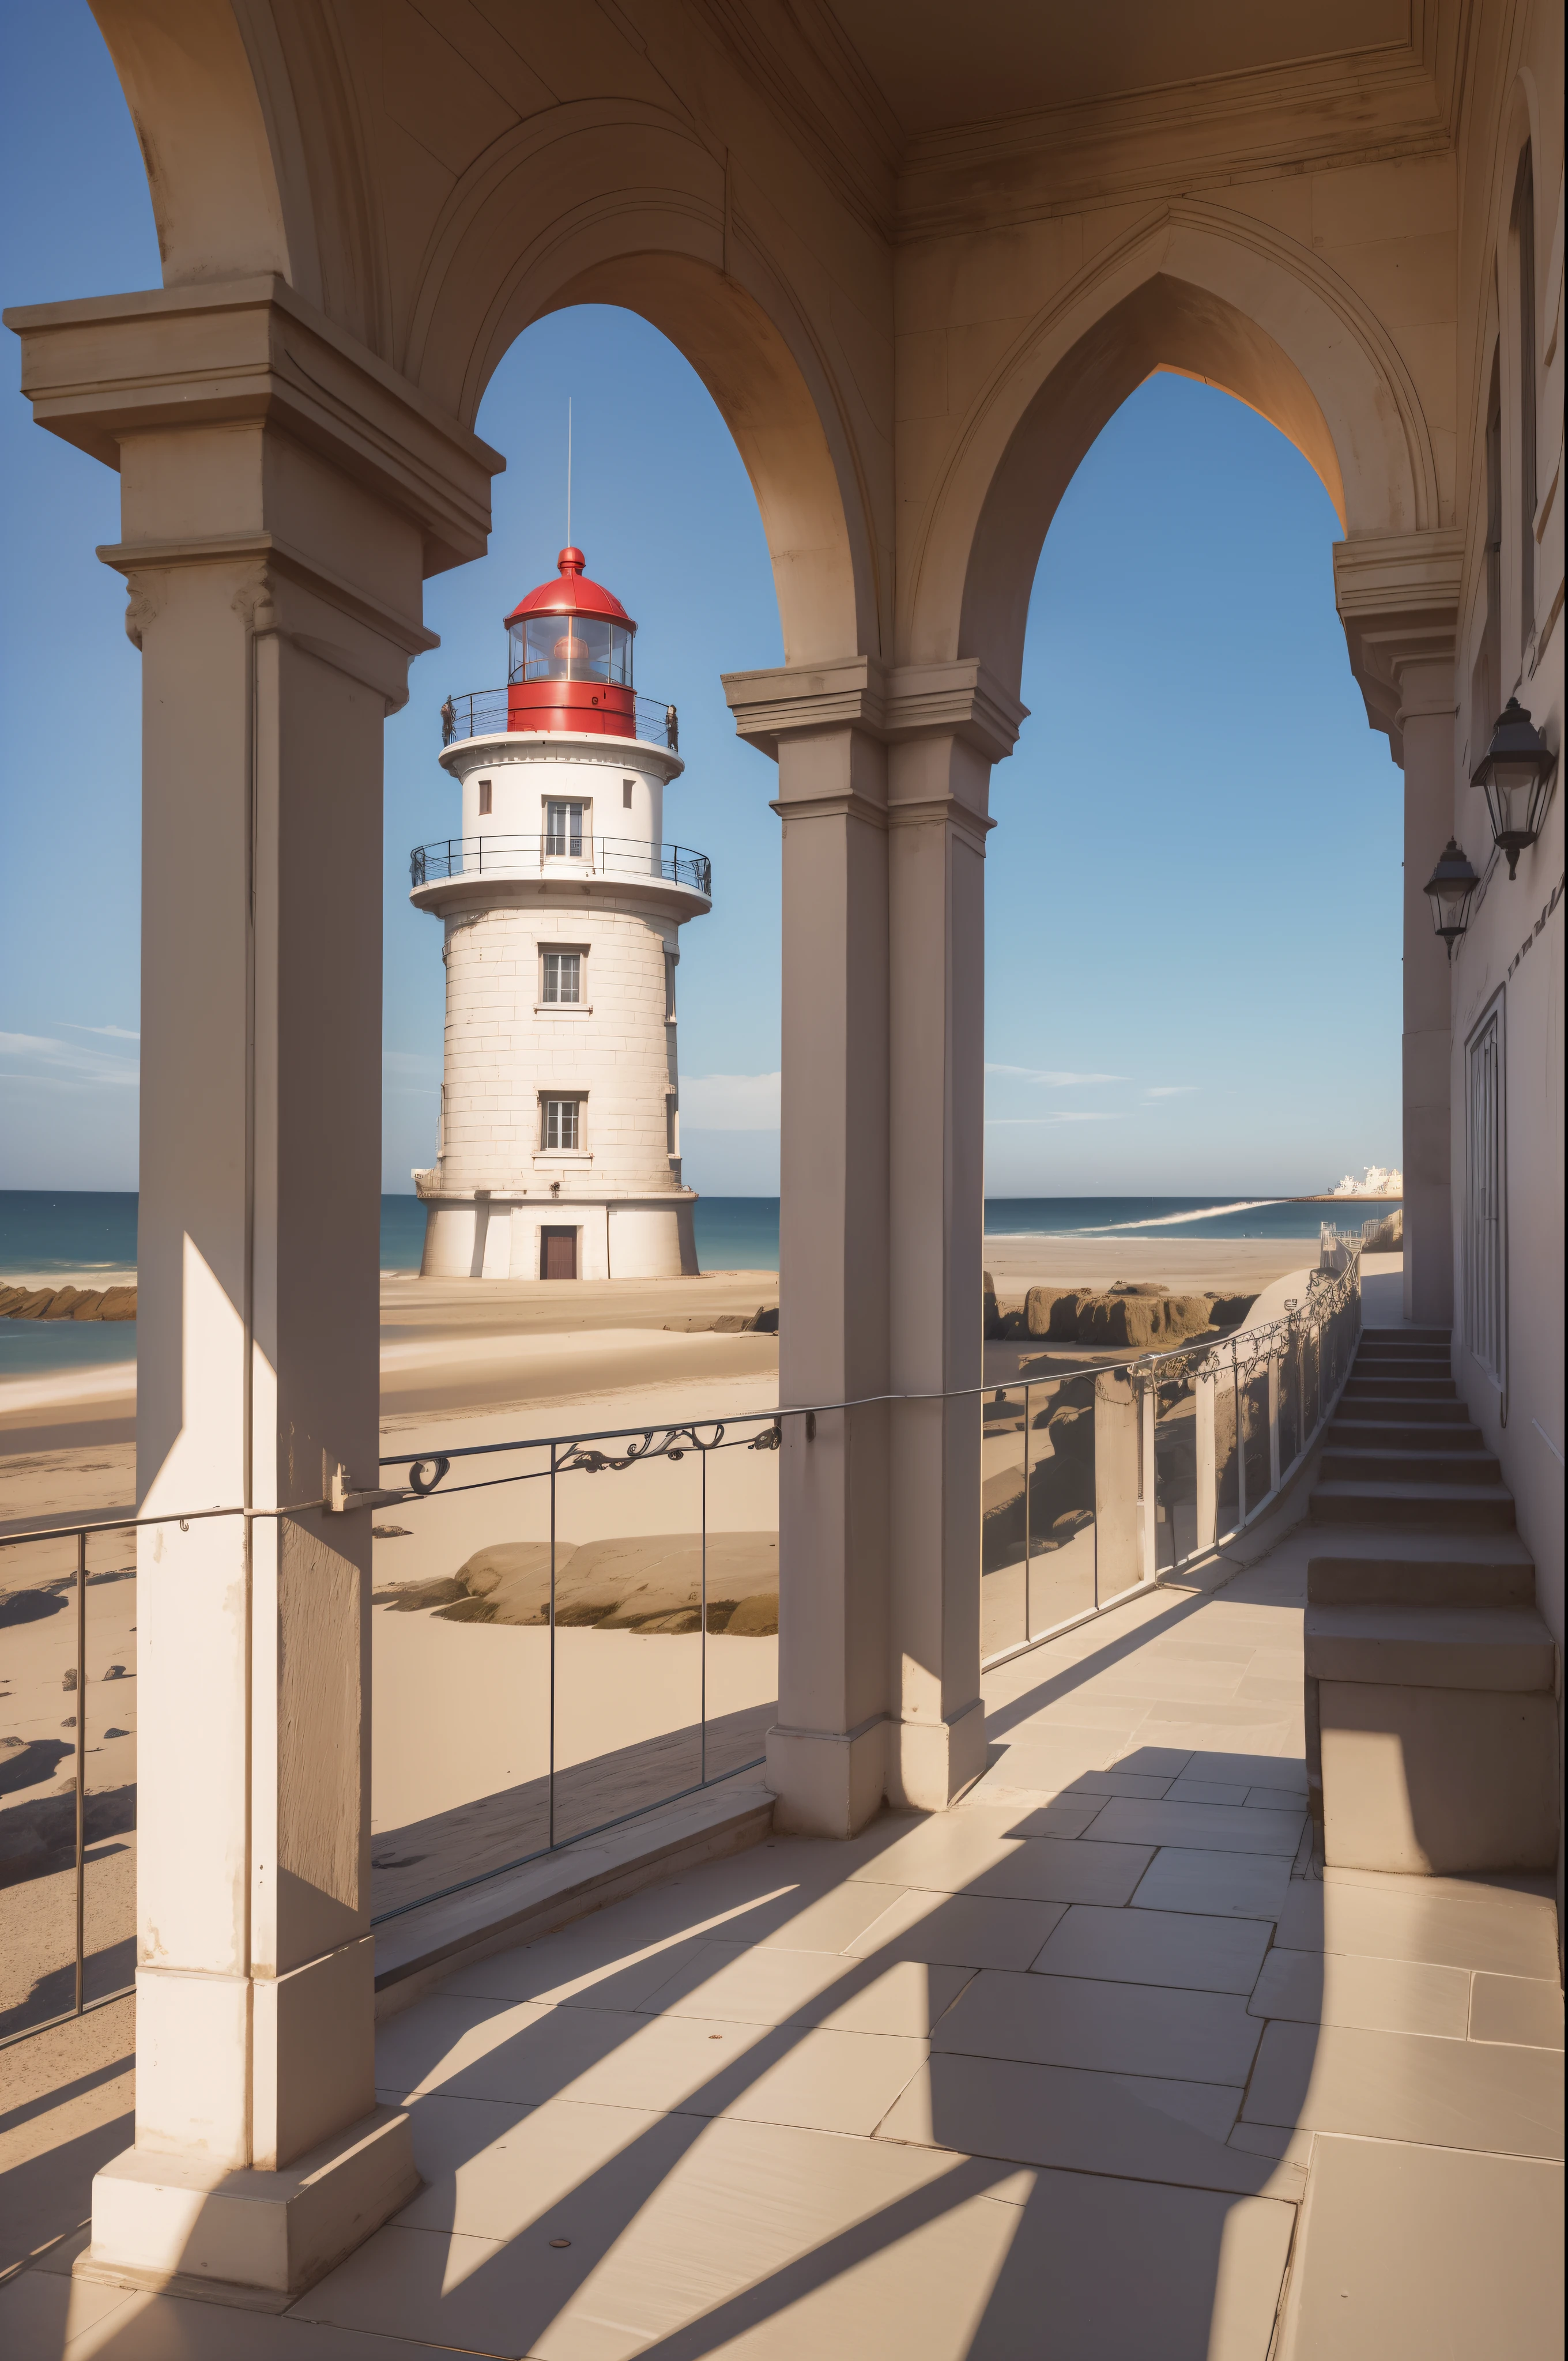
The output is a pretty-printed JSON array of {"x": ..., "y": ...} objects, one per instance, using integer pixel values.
[{"x": 558, "y": 1254}]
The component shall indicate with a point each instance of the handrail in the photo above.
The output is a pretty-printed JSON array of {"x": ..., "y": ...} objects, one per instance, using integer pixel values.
[
  {"x": 1329, "y": 1319},
  {"x": 538, "y": 855},
  {"x": 486, "y": 712}
]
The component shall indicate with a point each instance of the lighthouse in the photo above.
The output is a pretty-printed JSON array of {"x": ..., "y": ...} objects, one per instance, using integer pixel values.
[{"x": 561, "y": 904}]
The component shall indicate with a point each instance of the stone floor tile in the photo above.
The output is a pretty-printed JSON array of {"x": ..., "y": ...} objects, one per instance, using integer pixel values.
[
  {"x": 1210, "y": 1827},
  {"x": 1189, "y": 2036},
  {"x": 1261, "y": 1686},
  {"x": 1180, "y": 1950},
  {"x": 171, "y": 2328},
  {"x": 962, "y": 1930},
  {"x": 40, "y": 2313},
  {"x": 1272, "y": 2139},
  {"x": 1196, "y": 1682},
  {"x": 1205, "y": 1724},
  {"x": 1406, "y": 2086},
  {"x": 1119, "y": 1783},
  {"x": 1205, "y": 2288},
  {"x": 496, "y": 2172},
  {"x": 769, "y": 1986},
  {"x": 573, "y": 1967},
  {"x": 976, "y": 1852},
  {"x": 1528, "y": 1893},
  {"x": 1078, "y": 2121},
  {"x": 1273, "y": 1799},
  {"x": 1198, "y": 1651},
  {"x": 1203, "y": 1791},
  {"x": 1218, "y": 1885},
  {"x": 1092, "y": 1715},
  {"x": 1408, "y": 1923},
  {"x": 1152, "y": 1762},
  {"x": 818, "y": 2080},
  {"x": 1251, "y": 1770},
  {"x": 1426, "y": 2251},
  {"x": 1210, "y": 2107},
  {"x": 1346, "y": 1988},
  {"x": 1526, "y": 2010},
  {"x": 461, "y": 2043},
  {"x": 1063, "y": 1817}
]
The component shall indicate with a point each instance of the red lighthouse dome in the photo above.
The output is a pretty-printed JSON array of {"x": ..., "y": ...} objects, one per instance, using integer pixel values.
[{"x": 569, "y": 663}]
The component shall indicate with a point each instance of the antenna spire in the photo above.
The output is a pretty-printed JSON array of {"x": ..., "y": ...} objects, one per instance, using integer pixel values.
[{"x": 568, "y": 471}]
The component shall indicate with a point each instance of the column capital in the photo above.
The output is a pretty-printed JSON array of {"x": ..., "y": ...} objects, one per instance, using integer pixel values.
[
  {"x": 1397, "y": 596},
  {"x": 251, "y": 351},
  {"x": 892, "y": 704}
]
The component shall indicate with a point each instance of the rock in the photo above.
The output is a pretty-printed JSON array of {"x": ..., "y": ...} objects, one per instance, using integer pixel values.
[
  {"x": 1140, "y": 1321},
  {"x": 35, "y": 1302},
  {"x": 991, "y": 1316},
  {"x": 119, "y": 1303},
  {"x": 766, "y": 1322},
  {"x": 1136, "y": 1287},
  {"x": 1227, "y": 1310},
  {"x": 648, "y": 1583},
  {"x": 8, "y": 1296},
  {"x": 1050, "y": 1311},
  {"x": 62, "y": 1303},
  {"x": 68, "y": 1678},
  {"x": 88, "y": 1305}
]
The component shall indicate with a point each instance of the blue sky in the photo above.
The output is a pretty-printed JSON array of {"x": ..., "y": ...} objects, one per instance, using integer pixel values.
[{"x": 1192, "y": 938}]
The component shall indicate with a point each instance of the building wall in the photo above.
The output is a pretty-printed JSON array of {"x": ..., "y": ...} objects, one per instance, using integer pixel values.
[
  {"x": 505, "y": 1051},
  {"x": 1510, "y": 643},
  {"x": 526, "y": 773}
]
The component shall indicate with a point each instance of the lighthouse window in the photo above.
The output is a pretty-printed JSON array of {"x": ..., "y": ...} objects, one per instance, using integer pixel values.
[
  {"x": 484, "y": 799},
  {"x": 563, "y": 831},
  {"x": 572, "y": 647},
  {"x": 626, "y": 785},
  {"x": 562, "y": 978},
  {"x": 562, "y": 1124}
]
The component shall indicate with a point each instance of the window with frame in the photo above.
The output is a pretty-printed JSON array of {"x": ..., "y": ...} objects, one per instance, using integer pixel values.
[
  {"x": 563, "y": 830},
  {"x": 484, "y": 799},
  {"x": 626, "y": 787},
  {"x": 561, "y": 979},
  {"x": 1485, "y": 1208},
  {"x": 561, "y": 1127}
]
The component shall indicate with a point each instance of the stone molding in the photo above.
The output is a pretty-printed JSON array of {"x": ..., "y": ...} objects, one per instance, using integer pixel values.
[
  {"x": 252, "y": 350},
  {"x": 892, "y": 704},
  {"x": 1397, "y": 596}
]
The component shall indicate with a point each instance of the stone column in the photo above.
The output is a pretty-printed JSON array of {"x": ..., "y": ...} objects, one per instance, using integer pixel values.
[
  {"x": 1398, "y": 598},
  {"x": 281, "y": 497},
  {"x": 881, "y": 791}
]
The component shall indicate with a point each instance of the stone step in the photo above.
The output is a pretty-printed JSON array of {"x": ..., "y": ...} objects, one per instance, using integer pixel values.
[
  {"x": 1395, "y": 1466},
  {"x": 1397, "y": 1407},
  {"x": 1480, "y": 1570},
  {"x": 1430, "y": 1647},
  {"x": 1391, "y": 1434},
  {"x": 1400, "y": 1364},
  {"x": 1472, "y": 1506},
  {"x": 1403, "y": 1336},
  {"x": 1376, "y": 1349},
  {"x": 1399, "y": 1385}
]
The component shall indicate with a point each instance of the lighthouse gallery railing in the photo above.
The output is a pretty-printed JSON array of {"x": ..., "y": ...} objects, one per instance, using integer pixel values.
[{"x": 541, "y": 855}]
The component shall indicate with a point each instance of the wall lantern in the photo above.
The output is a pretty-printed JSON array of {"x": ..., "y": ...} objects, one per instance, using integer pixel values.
[
  {"x": 1515, "y": 774},
  {"x": 1450, "y": 890}
]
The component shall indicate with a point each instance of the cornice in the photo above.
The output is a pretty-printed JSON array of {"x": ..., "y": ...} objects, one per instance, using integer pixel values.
[
  {"x": 1397, "y": 596},
  {"x": 893, "y": 705},
  {"x": 112, "y": 366}
]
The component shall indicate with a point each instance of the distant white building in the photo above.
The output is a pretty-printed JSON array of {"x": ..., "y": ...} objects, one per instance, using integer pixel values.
[{"x": 559, "y": 1148}]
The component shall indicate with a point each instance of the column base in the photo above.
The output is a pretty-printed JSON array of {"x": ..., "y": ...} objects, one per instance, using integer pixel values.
[
  {"x": 829, "y": 1783},
  {"x": 930, "y": 1764},
  {"x": 180, "y": 2226}
]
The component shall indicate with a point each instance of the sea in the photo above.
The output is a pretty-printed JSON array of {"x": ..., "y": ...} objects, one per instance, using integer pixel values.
[{"x": 82, "y": 1237}]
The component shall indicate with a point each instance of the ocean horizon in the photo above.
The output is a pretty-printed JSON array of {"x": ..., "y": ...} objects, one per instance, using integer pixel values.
[{"x": 80, "y": 1236}]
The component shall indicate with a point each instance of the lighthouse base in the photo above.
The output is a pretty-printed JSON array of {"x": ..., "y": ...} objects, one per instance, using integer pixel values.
[{"x": 497, "y": 1236}]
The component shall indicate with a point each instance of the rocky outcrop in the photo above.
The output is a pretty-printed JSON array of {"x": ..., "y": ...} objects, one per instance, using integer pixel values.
[
  {"x": 651, "y": 1584},
  {"x": 1133, "y": 1315},
  {"x": 1051, "y": 1311},
  {"x": 67, "y": 1302}
]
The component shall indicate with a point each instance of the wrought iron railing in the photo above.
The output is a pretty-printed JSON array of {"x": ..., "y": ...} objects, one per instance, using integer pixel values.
[
  {"x": 541, "y": 855},
  {"x": 1182, "y": 1450},
  {"x": 482, "y": 713}
]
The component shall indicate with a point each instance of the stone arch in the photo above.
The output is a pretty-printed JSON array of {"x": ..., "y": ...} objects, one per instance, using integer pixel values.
[
  {"x": 616, "y": 202},
  {"x": 1212, "y": 295}
]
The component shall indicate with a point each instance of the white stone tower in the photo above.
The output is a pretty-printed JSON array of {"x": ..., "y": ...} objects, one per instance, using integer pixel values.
[{"x": 559, "y": 1146}]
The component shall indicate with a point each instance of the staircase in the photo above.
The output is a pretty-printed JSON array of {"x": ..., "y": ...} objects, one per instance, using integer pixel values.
[{"x": 1432, "y": 1716}]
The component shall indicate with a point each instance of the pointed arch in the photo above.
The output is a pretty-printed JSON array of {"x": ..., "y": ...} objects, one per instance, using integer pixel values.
[{"x": 1213, "y": 295}]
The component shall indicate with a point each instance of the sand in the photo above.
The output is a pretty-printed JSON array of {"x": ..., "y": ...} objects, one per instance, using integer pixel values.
[{"x": 1187, "y": 1265}]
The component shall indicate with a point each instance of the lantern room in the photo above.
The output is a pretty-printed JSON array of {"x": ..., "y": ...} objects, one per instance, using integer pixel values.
[{"x": 569, "y": 656}]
